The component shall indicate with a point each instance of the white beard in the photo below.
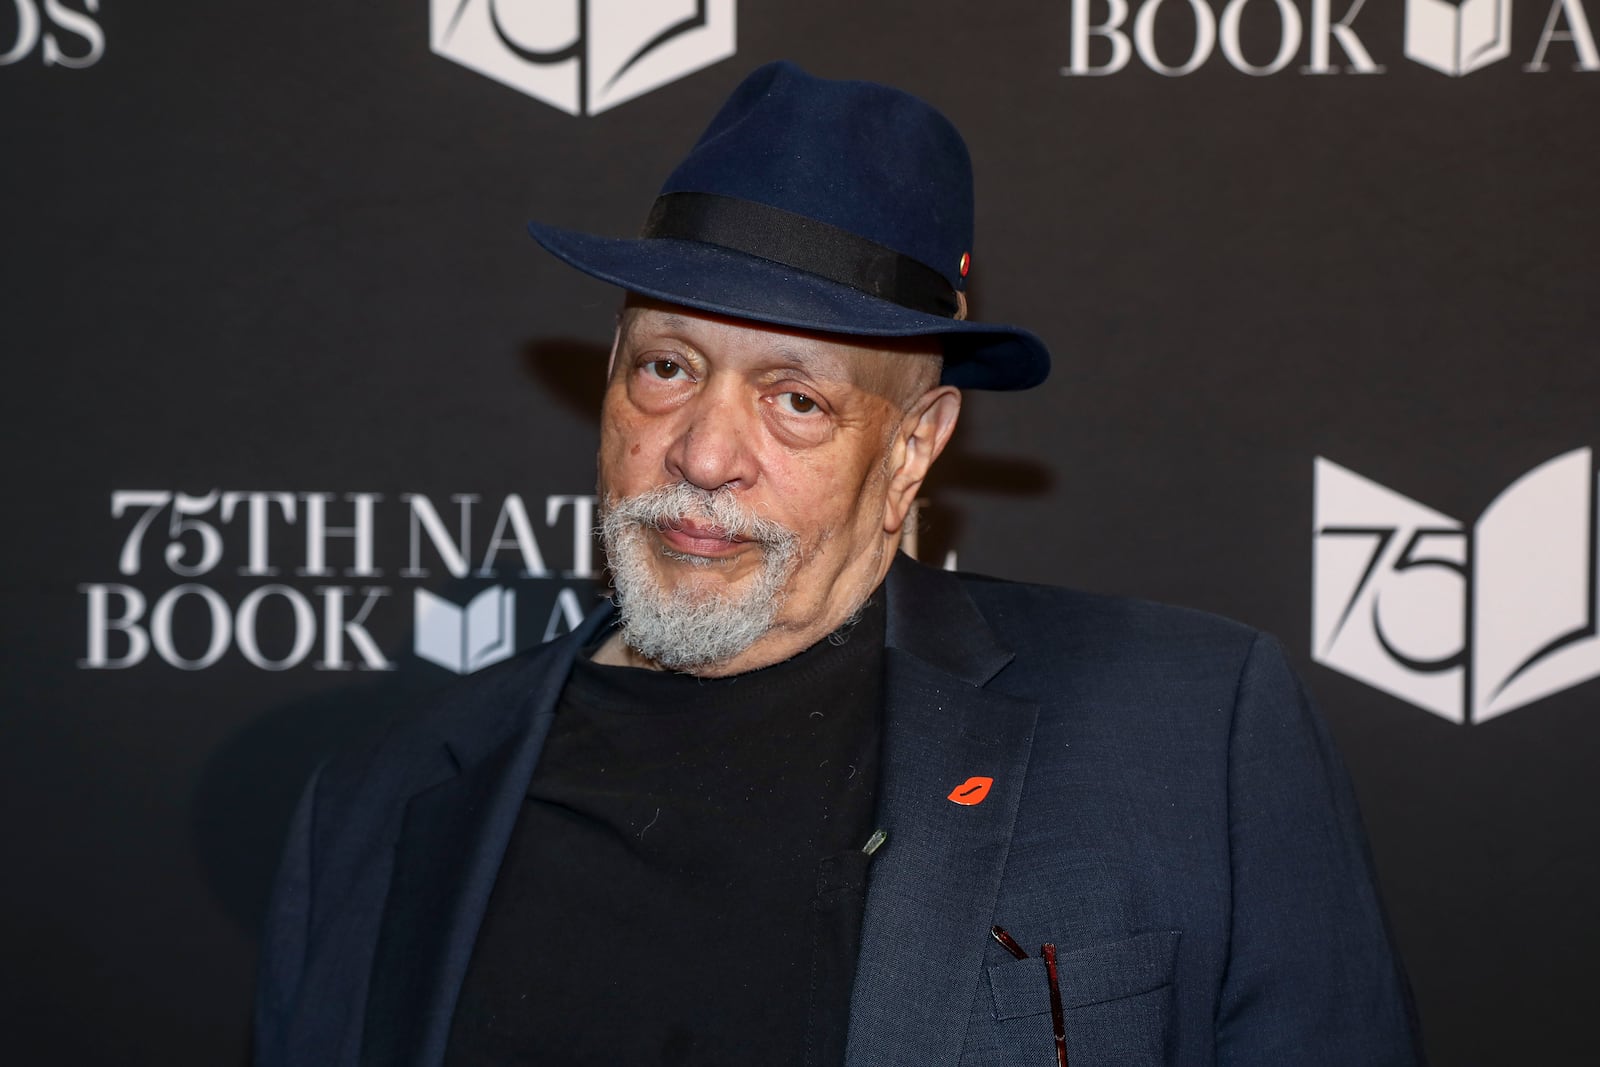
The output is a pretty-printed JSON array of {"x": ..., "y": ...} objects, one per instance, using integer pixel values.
[{"x": 696, "y": 624}]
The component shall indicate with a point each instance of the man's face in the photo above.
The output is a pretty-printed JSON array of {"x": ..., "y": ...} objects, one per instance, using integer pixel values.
[{"x": 754, "y": 480}]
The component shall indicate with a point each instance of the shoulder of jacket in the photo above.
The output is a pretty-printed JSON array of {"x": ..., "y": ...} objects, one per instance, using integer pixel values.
[
  {"x": 478, "y": 702},
  {"x": 1026, "y": 613}
]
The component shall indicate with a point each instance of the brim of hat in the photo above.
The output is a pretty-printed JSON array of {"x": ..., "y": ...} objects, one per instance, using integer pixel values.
[{"x": 710, "y": 278}]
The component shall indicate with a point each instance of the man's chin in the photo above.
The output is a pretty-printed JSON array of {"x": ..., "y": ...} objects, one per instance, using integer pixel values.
[
  {"x": 712, "y": 577},
  {"x": 696, "y": 621},
  {"x": 687, "y": 609}
]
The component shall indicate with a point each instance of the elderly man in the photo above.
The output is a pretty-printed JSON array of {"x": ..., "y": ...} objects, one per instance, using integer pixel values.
[{"x": 797, "y": 799}]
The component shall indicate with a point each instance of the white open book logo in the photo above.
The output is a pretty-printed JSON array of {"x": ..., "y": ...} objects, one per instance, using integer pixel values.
[
  {"x": 1469, "y": 624},
  {"x": 470, "y": 638},
  {"x": 584, "y": 56},
  {"x": 1457, "y": 37}
]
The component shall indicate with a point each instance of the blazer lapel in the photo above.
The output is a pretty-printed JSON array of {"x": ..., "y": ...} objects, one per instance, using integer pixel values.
[
  {"x": 454, "y": 834},
  {"x": 933, "y": 885}
]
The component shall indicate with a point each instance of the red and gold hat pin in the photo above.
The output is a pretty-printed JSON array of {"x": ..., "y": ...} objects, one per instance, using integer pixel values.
[{"x": 966, "y": 263}]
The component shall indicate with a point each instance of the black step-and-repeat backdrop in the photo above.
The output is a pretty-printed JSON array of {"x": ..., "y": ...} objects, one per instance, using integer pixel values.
[{"x": 299, "y": 424}]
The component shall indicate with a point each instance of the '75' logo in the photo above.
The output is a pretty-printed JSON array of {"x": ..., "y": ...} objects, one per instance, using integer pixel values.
[
  {"x": 1468, "y": 624},
  {"x": 584, "y": 56}
]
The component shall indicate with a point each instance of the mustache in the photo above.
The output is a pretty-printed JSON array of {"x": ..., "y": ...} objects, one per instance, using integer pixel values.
[{"x": 668, "y": 505}]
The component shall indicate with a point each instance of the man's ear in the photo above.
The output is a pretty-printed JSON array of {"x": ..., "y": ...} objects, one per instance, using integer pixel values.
[{"x": 923, "y": 433}]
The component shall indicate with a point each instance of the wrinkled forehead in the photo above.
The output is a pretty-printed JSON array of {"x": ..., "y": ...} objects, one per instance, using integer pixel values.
[{"x": 897, "y": 368}]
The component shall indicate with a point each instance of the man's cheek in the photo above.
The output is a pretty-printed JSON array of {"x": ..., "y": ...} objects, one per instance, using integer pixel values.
[{"x": 624, "y": 452}]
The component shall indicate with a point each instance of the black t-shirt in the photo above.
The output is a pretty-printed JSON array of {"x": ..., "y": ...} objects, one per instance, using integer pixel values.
[{"x": 685, "y": 881}]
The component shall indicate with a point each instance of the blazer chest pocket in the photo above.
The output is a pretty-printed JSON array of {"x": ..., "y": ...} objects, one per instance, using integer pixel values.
[{"x": 1116, "y": 998}]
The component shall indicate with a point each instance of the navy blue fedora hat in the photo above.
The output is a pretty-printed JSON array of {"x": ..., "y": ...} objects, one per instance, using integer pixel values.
[{"x": 838, "y": 206}]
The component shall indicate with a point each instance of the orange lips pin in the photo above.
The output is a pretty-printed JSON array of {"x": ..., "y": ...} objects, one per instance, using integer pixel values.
[{"x": 972, "y": 791}]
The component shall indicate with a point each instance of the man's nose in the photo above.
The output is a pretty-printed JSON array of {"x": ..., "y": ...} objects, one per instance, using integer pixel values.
[{"x": 714, "y": 447}]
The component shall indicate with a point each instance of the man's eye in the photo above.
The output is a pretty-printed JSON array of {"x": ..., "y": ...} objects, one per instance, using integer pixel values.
[
  {"x": 799, "y": 403},
  {"x": 665, "y": 369}
]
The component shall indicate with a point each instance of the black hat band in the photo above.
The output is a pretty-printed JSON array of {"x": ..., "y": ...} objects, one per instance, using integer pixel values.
[{"x": 802, "y": 243}]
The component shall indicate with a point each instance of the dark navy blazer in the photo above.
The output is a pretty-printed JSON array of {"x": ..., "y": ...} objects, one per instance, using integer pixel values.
[{"x": 1167, "y": 809}]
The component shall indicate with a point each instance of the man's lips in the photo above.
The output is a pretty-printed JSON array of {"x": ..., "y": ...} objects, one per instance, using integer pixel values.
[{"x": 696, "y": 539}]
